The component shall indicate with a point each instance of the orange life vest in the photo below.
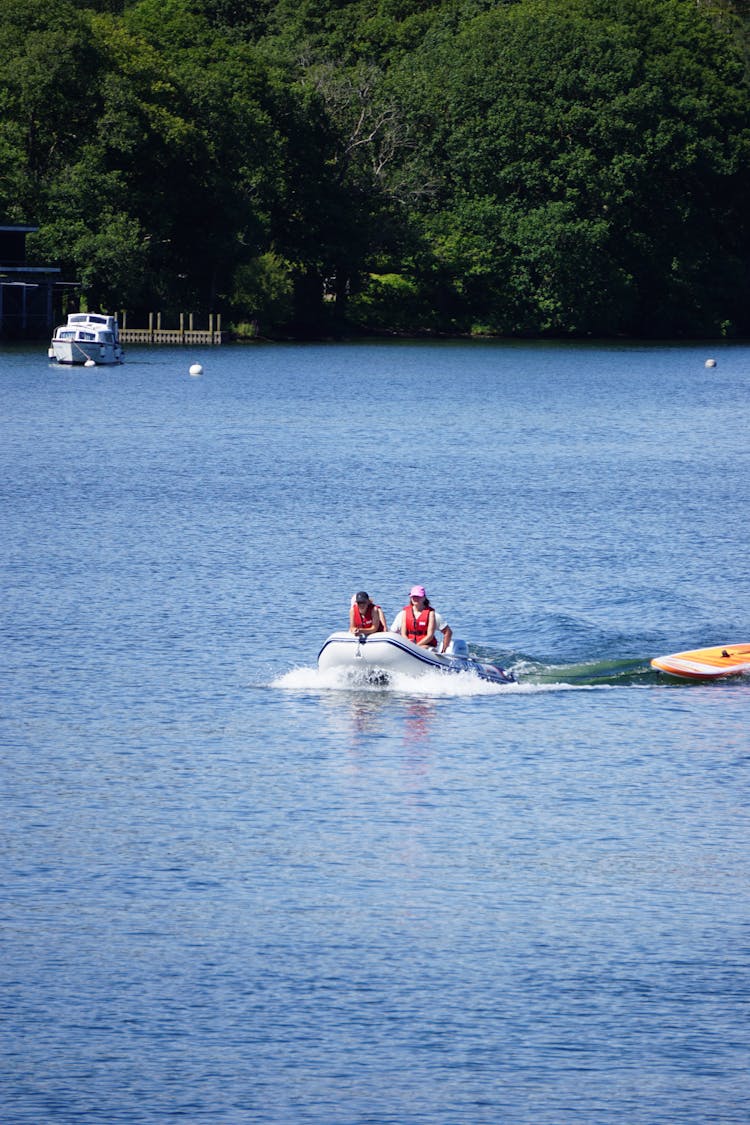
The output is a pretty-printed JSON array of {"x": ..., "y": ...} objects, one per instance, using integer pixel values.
[
  {"x": 416, "y": 626},
  {"x": 367, "y": 619}
]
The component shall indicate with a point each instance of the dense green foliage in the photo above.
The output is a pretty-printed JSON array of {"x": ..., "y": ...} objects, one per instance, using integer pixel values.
[{"x": 561, "y": 167}]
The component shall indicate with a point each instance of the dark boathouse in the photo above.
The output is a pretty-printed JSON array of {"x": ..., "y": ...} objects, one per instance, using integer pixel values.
[{"x": 30, "y": 296}]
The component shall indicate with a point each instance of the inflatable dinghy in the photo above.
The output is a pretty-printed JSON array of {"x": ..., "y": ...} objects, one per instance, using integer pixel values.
[{"x": 384, "y": 653}]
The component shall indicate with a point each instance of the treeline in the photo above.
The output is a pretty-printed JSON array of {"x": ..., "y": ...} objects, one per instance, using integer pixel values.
[{"x": 305, "y": 167}]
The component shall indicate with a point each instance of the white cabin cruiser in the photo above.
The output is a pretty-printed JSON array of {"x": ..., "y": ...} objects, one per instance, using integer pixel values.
[
  {"x": 87, "y": 338},
  {"x": 379, "y": 654}
]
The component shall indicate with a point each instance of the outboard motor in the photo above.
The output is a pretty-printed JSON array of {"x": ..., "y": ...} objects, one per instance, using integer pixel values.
[{"x": 458, "y": 647}]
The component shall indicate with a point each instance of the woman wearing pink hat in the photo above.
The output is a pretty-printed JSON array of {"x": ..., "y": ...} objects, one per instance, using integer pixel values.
[{"x": 419, "y": 622}]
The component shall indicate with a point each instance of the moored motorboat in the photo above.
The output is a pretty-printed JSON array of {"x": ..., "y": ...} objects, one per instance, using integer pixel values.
[
  {"x": 381, "y": 654},
  {"x": 87, "y": 338}
]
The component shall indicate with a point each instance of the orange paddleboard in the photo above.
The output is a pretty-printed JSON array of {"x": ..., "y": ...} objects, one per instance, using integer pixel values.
[{"x": 706, "y": 663}]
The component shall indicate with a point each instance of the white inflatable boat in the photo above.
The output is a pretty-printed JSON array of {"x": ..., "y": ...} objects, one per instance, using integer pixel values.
[{"x": 382, "y": 653}]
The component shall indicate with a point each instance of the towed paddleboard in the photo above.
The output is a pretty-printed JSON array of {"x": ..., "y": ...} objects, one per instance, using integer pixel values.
[{"x": 706, "y": 663}]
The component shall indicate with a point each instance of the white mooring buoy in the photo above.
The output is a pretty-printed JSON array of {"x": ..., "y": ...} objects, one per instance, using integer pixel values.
[
  {"x": 196, "y": 369},
  {"x": 710, "y": 363}
]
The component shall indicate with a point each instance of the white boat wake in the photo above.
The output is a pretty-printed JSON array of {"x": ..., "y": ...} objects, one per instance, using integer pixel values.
[
  {"x": 433, "y": 684},
  {"x": 387, "y": 662}
]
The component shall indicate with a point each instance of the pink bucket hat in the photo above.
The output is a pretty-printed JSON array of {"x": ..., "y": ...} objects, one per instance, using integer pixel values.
[{"x": 417, "y": 592}]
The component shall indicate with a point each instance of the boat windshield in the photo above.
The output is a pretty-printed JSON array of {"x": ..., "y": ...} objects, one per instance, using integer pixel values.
[{"x": 87, "y": 318}]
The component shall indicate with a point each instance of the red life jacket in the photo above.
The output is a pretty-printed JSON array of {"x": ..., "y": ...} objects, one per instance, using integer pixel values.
[
  {"x": 416, "y": 627},
  {"x": 367, "y": 619}
]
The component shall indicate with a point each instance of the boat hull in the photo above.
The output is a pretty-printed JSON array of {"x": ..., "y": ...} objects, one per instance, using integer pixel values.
[
  {"x": 79, "y": 352},
  {"x": 382, "y": 654}
]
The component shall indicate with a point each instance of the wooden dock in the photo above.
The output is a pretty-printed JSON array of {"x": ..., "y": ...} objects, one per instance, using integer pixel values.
[{"x": 187, "y": 333}]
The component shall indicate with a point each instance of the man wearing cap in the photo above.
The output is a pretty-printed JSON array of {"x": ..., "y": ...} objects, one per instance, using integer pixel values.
[
  {"x": 419, "y": 622},
  {"x": 365, "y": 617}
]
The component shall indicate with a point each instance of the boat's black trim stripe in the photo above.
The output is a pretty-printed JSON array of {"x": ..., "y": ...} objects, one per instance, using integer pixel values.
[
  {"x": 409, "y": 650},
  {"x": 338, "y": 641}
]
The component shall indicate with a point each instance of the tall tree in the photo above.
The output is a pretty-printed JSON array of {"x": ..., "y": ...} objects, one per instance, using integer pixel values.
[
  {"x": 49, "y": 68},
  {"x": 594, "y": 163}
]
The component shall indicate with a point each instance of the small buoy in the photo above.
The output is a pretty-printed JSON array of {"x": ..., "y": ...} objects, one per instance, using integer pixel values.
[
  {"x": 90, "y": 363},
  {"x": 710, "y": 363},
  {"x": 196, "y": 369}
]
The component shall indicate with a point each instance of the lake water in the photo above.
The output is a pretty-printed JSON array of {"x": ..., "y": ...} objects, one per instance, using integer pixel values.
[{"x": 236, "y": 892}]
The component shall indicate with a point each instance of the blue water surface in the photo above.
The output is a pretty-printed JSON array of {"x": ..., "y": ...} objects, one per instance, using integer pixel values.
[{"x": 236, "y": 892}]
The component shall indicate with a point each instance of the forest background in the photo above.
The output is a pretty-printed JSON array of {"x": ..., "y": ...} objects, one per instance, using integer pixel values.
[{"x": 308, "y": 167}]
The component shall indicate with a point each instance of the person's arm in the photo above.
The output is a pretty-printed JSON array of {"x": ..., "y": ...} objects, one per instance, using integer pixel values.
[
  {"x": 447, "y": 634},
  {"x": 377, "y": 613},
  {"x": 352, "y": 627},
  {"x": 381, "y": 618}
]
